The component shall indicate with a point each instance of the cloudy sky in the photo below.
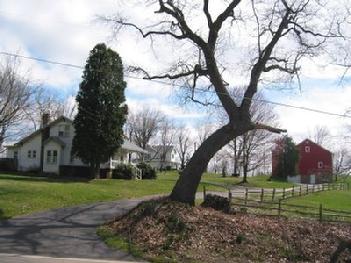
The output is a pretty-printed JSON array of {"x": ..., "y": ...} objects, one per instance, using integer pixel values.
[{"x": 66, "y": 31}]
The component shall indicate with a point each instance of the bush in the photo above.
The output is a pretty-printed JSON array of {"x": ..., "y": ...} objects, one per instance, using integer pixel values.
[
  {"x": 123, "y": 171},
  {"x": 7, "y": 165},
  {"x": 217, "y": 202},
  {"x": 147, "y": 171}
]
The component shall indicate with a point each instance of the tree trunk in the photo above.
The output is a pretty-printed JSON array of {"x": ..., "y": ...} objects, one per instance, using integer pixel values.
[
  {"x": 95, "y": 170},
  {"x": 189, "y": 179},
  {"x": 244, "y": 173}
]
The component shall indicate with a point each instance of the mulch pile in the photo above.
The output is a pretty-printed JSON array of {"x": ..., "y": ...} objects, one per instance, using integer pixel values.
[{"x": 195, "y": 234}]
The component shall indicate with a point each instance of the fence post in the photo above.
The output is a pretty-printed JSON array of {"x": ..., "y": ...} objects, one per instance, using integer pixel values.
[
  {"x": 293, "y": 191},
  {"x": 320, "y": 212},
  {"x": 204, "y": 192},
  {"x": 313, "y": 188},
  {"x": 273, "y": 194},
  {"x": 230, "y": 198},
  {"x": 322, "y": 187},
  {"x": 262, "y": 193},
  {"x": 307, "y": 190},
  {"x": 279, "y": 207},
  {"x": 246, "y": 195},
  {"x": 284, "y": 193},
  {"x": 300, "y": 189}
]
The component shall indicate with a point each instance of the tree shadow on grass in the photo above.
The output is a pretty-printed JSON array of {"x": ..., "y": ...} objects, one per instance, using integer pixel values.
[{"x": 63, "y": 232}]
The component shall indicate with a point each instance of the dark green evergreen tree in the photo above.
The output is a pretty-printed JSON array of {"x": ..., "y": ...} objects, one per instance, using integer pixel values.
[
  {"x": 288, "y": 158},
  {"x": 101, "y": 109}
]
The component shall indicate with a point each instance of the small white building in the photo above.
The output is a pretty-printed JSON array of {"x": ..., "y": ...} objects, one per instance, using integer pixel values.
[
  {"x": 162, "y": 157},
  {"x": 49, "y": 149}
]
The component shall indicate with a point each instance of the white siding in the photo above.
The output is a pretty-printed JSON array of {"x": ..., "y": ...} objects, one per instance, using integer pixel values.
[
  {"x": 64, "y": 153},
  {"x": 24, "y": 162},
  {"x": 10, "y": 152},
  {"x": 66, "y": 156}
]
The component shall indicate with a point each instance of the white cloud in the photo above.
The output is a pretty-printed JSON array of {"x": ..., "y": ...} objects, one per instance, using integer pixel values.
[
  {"x": 170, "y": 110},
  {"x": 301, "y": 123},
  {"x": 66, "y": 31}
]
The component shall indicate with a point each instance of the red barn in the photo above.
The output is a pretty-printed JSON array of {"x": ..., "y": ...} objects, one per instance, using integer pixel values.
[{"x": 315, "y": 163}]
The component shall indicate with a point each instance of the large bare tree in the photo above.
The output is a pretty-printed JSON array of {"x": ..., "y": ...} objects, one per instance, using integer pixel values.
[
  {"x": 15, "y": 94},
  {"x": 248, "y": 151},
  {"x": 144, "y": 125},
  {"x": 166, "y": 138},
  {"x": 183, "y": 144},
  {"x": 321, "y": 135},
  {"x": 45, "y": 101},
  {"x": 285, "y": 32}
]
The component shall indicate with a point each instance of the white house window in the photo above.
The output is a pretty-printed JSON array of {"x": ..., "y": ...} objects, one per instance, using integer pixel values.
[
  {"x": 63, "y": 130},
  {"x": 51, "y": 157},
  {"x": 29, "y": 154},
  {"x": 34, "y": 154},
  {"x": 15, "y": 154},
  {"x": 320, "y": 165},
  {"x": 307, "y": 149},
  {"x": 54, "y": 156},
  {"x": 48, "y": 156}
]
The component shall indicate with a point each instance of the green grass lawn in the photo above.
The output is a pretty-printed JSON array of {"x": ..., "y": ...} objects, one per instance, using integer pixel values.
[
  {"x": 26, "y": 194},
  {"x": 340, "y": 200},
  {"x": 262, "y": 181}
]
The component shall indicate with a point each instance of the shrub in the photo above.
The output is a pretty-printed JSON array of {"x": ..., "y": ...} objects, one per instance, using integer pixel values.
[
  {"x": 123, "y": 171},
  {"x": 217, "y": 202},
  {"x": 147, "y": 171},
  {"x": 74, "y": 171},
  {"x": 7, "y": 165}
]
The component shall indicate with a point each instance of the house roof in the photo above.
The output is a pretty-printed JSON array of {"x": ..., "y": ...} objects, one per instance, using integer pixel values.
[
  {"x": 309, "y": 141},
  {"x": 128, "y": 145},
  {"x": 37, "y": 132},
  {"x": 56, "y": 140},
  {"x": 157, "y": 148}
]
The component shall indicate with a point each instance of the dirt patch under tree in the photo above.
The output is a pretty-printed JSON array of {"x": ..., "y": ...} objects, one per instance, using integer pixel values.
[{"x": 181, "y": 233}]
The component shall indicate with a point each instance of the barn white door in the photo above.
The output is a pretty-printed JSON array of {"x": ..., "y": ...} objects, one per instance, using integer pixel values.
[{"x": 312, "y": 179}]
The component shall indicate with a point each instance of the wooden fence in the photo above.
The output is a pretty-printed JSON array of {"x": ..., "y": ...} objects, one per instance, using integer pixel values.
[
  {"x": 270, "y": 202},
  {"x": 290, "y": 210},
  {"x": 285, "y": 193}
]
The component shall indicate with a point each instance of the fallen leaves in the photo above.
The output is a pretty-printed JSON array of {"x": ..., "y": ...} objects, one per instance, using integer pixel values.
[{"x": 212, "y": 236}]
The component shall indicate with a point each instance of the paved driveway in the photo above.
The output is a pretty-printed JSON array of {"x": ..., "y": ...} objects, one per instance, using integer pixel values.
[{"x": 65, "y": 232}]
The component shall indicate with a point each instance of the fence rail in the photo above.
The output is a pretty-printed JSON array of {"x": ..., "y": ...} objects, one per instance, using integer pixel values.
[
  {"x": 270, "y": 202},
  {"x": 285, "y": 193},
  {"x": 282, "y": 209}
]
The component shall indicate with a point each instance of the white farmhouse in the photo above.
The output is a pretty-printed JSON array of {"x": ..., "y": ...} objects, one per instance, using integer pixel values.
[
  {"x": 49, "y": 149},
  {"x": 162, "y": 157}
]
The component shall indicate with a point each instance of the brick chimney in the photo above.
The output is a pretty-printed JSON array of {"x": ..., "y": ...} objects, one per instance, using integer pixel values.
[
  {"x": 45, "y": 119},
  {"x": 45, "y": 134}
]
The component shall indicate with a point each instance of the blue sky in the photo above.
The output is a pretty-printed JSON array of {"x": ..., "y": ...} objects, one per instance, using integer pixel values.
[{"x": 66, "y": 30}]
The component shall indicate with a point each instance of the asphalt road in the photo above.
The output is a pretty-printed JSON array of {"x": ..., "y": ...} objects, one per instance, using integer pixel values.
[{"x": 63, "y": 233}]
